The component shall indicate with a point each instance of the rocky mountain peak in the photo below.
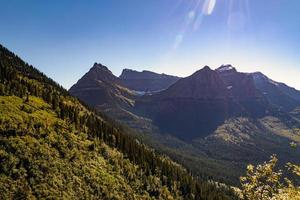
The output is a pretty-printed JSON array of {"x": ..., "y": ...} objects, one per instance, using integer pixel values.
[
  {"x": 129, "y": 74},
  {"x": 204, "y": 71},
  {"x": 204, "y": 83},
  {"x": 99, "y": 67},
  {"x": 226, "y": 69},
  {"x": 206, "y": 67},
  {"x": 97, "y": 74},
  {"x": 100, "y": 72}
]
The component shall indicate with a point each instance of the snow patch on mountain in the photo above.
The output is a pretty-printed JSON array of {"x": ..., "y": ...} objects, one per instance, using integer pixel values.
[{"x": 226, "y": 68}]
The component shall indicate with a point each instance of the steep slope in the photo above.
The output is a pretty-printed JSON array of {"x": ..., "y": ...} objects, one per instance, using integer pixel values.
[
  {"x": 42, "y": 156},
  {"x": 204, "y": 84},
  {"x": 240, "y": 84},
  {"x": 191, "y": 107},
  {"x": 195, "y": 106},
  {"x": 245, "y": 140},
  {"x": 102, "y": 90},
  {"x": 99, "y": 87},
  {"x": 51, "y": 146},
  {"x": 146, "y": 81},
  {"x": 279, "y": 94},
  {"x": 243, "y": 90}
]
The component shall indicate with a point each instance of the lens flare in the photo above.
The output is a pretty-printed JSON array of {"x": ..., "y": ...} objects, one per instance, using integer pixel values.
[
  {"x": 208, "y": 7},
  {"x": 191, "y": 15},
  {"x": 178, "y": 40},
  {"x": 194, "y": 17}
]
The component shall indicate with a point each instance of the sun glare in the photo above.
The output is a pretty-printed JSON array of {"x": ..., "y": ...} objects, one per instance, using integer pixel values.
[
  {"x": 195, "y": 17},
  {"x": 208, "y": 7}
]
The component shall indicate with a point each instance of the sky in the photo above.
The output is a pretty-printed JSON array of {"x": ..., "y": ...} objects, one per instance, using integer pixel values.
[{"x": 63, "y": 38}]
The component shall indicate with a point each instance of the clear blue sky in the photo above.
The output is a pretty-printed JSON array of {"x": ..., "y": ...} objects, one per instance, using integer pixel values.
[{"x": 63, "y": 38}]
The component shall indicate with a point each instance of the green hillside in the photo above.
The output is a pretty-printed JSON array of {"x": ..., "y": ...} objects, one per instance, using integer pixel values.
[
  {"x": 225, "y": 154},
  {"x": 54, "y": 147},
  {"x": 44, "y": 156}
]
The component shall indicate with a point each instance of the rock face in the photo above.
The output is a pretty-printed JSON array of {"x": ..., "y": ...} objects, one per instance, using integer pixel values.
[
  {"x": 278, "y": 94},
  {"x": 203, "y": 84},
  {"x": 195, "y": 106},
  {"x": 243, "y": 90},
  {"x": 146, "y": 80},
  {"x": 99, "y": 87}
]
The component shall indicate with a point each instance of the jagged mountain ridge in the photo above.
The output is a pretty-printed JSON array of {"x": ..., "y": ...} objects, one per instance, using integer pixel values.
[
  {"x": 108, "y": 89},
  {"x": 146, "y": 81},
  {"x": 198, "y": 104},
  {"x": 279, "y": 94},
  {"x": 210, "y": 95}
]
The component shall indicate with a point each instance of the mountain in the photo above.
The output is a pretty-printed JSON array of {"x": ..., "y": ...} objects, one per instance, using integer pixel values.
[
  {"x": 102, "y": 90},
  {"x": 196, "y": 105},
  {"x": 243, "y": 89},
  {"x": 279, "y": 94},
  {"x": 105, "y": 92},
  {"x": 52, "y": 146},
  {"x": 214, "y": 122},
  {"x": 99, "y": 87},
  {"x": 241, "y": 85},
  {"x": 146, "y": 81}
]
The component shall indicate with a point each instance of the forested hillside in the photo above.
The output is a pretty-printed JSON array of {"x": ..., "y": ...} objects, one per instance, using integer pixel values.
[{"x": 52, "y": 146}]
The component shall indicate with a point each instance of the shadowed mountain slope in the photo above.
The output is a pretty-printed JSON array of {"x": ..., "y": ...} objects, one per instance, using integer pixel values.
[
  {"x": 279, "y": 94},
  {"x": 195, "y": 106},
  {"x": 99, "y": 87}
]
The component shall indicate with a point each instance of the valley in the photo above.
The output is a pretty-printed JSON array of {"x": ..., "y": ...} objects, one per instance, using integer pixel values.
[{"x": 214, "y": 122}]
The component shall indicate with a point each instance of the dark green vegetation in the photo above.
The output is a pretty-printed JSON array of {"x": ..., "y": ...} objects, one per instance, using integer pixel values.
[{"x": 52, "y": 146}]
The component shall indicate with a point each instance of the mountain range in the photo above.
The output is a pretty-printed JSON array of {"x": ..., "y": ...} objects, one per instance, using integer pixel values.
[
  {"x": 213, "y": 119},
  {"x": 53, "y": 146}
]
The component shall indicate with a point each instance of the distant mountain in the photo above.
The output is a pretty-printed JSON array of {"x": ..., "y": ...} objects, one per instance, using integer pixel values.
[
  {"x": 243, "y": 90},
  {"x": 241, "y": 85},
  {"x": 99, "y": 87},
  {"x": 278, "y": 94},
  {"x": 203, "y": 84},
  {"x": 195, "y": 106},
  {"x": 102, "y": 90},
  {"x": 146, "y": 80}
]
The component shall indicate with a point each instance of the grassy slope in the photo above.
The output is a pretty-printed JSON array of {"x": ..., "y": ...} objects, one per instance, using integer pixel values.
[
  {"x": 225, "y": 154},
  {"x": 53, "y": 160},
  {"x": 241, "y": 141}
]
